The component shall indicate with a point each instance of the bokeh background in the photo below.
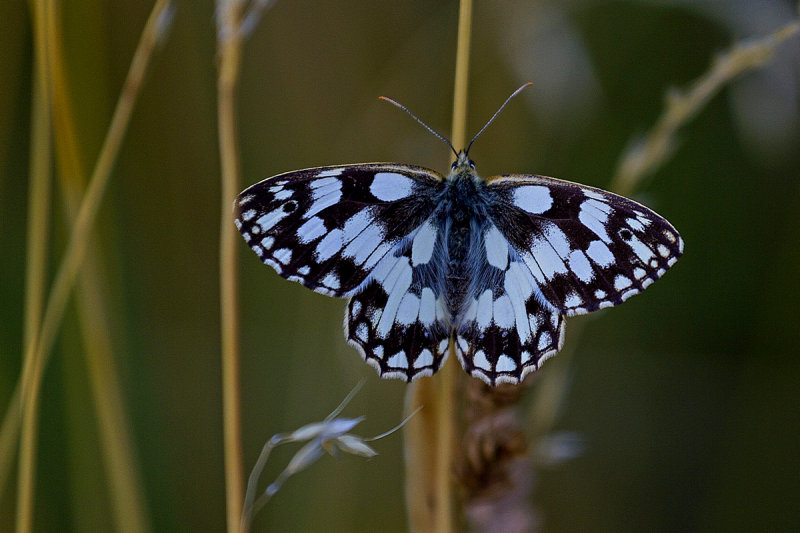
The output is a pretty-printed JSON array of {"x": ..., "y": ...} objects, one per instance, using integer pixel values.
[{"x": 685, "y": 398}]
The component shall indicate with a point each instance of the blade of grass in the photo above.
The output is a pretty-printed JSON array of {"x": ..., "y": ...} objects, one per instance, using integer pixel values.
[
  {"x": 37, "y": 354},
  {"x": 229, "y": 49},
  {"x": 39, "y": 198},
  {"x": 431, "y": 437},
  {"x": 126, "y": 494}
]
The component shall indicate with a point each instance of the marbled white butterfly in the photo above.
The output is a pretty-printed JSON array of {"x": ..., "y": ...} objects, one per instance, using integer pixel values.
[{"x": 492, "y": 265}]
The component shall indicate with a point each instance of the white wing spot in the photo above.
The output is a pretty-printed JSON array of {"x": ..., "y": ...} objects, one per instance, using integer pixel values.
[
  {"x": 284, "y": 255},
  {"x": 422, "y": 247},
  {"x": 639, "y": 273},
  {"x": 480, "y": 360},
  {"x": 496, "y": 248},
  {"x": 534, "y": 199},
  {"x": 621, "y": 282},
  {"x": 321, "y": 185},
  {"x": 642, "y": 251},
  {"x": 635, "y": 224},
  {"x": 506, "y": 364},
  {"x": 398, "y": 360},
  {"x": 313, "y": 229},
  {"x": 427, "y": 307},
  {"x": 270, "y": 219},
  {"x": 325, "y": 192},
  {"x": 362, "y": 332},
  {"x": 356, "y": 308},
  {"x": 331, "y": 281},
  {"x": 278, "y": 268},
  {"x": 408, "y": 310},
  {"x": 573, "y": 300},
  {"x": 330, "y": 172},
  {"x": 663, "y": 250},
  {"x": 627, "y": 294},
  {"x": 544, "y": 340},
  {"x": 329, "y": 246},
  {"x": 594, "y": 215},
  {"x": 362, "y": 236},
  {"x": 503, "y": 312},
  {"x": 284, "y": 194},
  {"x": 580, "y": 266},
  {"x": 390, "y": 186},
  {"x": 267, "y": 242},
  {"x": 484, "y": 316},
  {"x": 396, "y": 283},
  {"x": 247, "y": 215},
  {"x": 443, "y": 345},
  {"x": 600, "y": 294},
  {"x": 600, "y": 253},
  {"x": 425, "y": 358}
]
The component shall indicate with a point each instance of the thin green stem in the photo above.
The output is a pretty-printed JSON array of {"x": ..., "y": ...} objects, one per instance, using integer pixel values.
[
  {"x": 230, "y": 49},
  {"x": 37, "y": 354}
]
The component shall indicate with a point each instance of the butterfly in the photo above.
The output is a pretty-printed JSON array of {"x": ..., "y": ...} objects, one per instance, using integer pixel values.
[{"x": 491, "y": 266}]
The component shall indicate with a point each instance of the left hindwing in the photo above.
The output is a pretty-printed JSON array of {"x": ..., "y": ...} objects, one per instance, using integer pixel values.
[
  {"x": 328, "y": 227},
  {"x": 586, "y": 248}
]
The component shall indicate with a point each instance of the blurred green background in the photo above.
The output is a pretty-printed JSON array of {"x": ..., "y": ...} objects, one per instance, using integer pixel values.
[{"x": 686, "y": 397}]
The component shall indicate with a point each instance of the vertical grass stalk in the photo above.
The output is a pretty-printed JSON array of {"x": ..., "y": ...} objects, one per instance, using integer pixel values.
[
  {"x": 431, "y": 436},
  {"x": 37, "y": 354},
  {"x": 229, "y": 48},
  {"x": 126, "y": 496}
]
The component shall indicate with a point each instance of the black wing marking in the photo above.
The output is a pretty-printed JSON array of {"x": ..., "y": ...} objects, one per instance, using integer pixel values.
[
  {"x": 506, "y": 328},
  {"x": 400, "y": 321},
  {"x": 328, "y": 227},
  {"x": 586, "y": 248}
]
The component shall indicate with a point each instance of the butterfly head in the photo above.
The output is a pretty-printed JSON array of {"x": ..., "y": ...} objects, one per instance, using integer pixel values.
[{"x": 462, "y": 163}]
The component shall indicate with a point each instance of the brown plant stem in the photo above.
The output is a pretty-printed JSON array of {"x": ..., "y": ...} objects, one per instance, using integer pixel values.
[{"x": 431, "y": 437}]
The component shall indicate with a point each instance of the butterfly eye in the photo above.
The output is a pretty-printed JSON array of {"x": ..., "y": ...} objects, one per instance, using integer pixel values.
[
  {"x": 453, "y": 166},
  {"x": 471, "y": 164}
]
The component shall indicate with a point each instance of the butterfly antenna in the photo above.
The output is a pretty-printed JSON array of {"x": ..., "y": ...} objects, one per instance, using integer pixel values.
[
  {"x": 404, "y": 108},
  {"x": 515, "y": 93}
]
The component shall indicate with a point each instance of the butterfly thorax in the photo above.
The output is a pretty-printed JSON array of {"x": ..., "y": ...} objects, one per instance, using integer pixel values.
[{"x": 463, "y": 210}]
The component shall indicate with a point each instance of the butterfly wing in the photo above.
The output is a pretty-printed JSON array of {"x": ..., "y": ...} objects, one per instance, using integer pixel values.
[
  {"x": 506, "y": 328},
  {"x": 366, "y": 232},
  {"x": 552, "y": 249},
  {"x": 585, "y": 248},
  {"x": 399, "y": 323},
  {"x": 328, "y": 227}
]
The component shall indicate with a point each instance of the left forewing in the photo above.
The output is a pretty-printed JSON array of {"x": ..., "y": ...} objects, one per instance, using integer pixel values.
[{"x": 328, "y": 227}]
